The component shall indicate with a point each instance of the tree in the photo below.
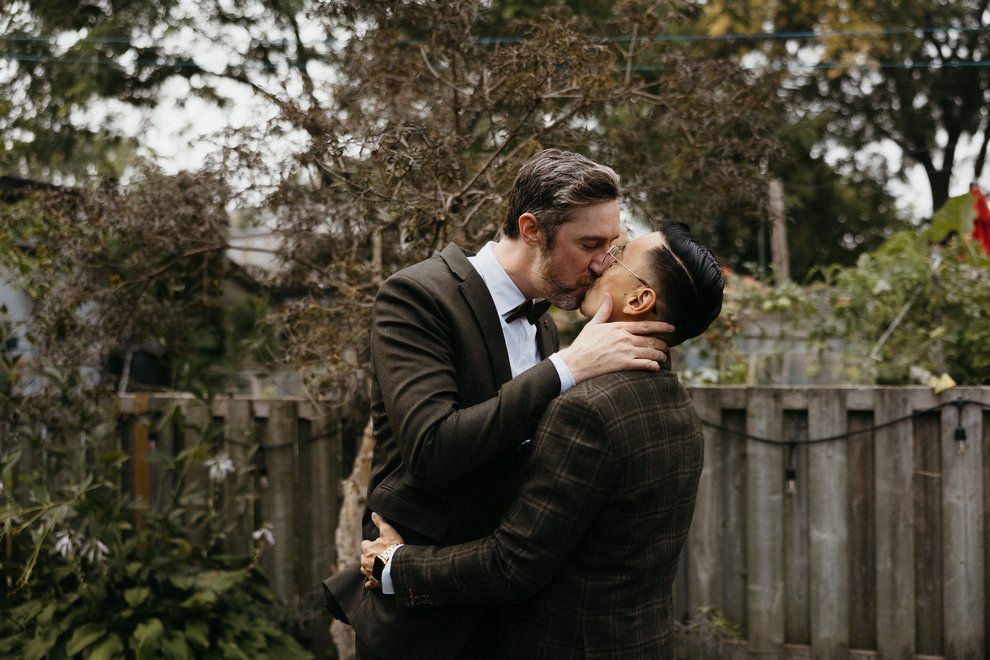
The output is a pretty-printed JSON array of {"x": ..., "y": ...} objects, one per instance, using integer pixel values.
[
  {"x": 911, "y": 74},
  {"x": 70, "y": 69},
  {"x": 431, "y": 113}
]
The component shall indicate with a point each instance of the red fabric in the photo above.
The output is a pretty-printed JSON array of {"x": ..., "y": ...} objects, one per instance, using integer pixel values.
[{"x": 981, "y": 226}]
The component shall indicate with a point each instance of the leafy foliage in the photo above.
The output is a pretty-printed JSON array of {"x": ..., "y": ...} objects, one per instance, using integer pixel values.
[
  {"x": 117, "y": 268},
  {"x": 90, "y": 572},
  {"x": 908, "y": 73},
  {"x": 944, "y": 292}
]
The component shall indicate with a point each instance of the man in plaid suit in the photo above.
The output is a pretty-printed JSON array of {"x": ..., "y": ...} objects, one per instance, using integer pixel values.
[{"x": 585, "y": 558}]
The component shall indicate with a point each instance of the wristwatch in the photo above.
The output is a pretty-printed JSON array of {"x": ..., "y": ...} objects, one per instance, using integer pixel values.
[{"x": 381, "y": 559}]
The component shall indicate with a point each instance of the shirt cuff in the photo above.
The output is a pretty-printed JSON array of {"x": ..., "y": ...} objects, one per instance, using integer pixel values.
[
  {"x": 566, "y": 377},
  {"x": 387, "y": 587}
]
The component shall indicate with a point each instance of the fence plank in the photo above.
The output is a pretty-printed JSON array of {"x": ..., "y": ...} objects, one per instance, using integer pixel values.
[
  {"x": 140, "y": 448},
  {"x": 279, "y": 498},
  {"x": 162, "y": 481},
  {"x": 796, "y": 610},
  {"x": 318, "y": 479},
  {"x": 895, "y": 617},
  {"x": 928, "y": 533},
  {"x": 705, "y": 538},
  {"x": 734, "y": 522},
  {"x": 238, "y": 434},
  {"x": 828, "y": 527},
  {"x": 985, "y": 444},
  {"x": 862, "y": 533},
  {"x": 764, "y": 533},
  {"x": 963, "y": 520}
]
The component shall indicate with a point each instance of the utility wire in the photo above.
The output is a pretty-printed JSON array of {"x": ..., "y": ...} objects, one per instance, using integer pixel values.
[
  {"x": 494, "y": 41},
  {"x": 185, "y": 63},
  {"x": 959, "y": 404}
]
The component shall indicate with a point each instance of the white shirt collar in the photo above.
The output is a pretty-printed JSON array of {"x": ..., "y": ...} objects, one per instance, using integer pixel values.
[{"x": 505, "y": 294}]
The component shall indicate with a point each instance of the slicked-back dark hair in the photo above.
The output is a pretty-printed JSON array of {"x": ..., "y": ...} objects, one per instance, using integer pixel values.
[
  {"x": 552, "y": 184},
  {"x": 690, "y": 282}
]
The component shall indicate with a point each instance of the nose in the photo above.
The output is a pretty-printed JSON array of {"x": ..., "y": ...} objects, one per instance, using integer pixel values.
[{"x": 597, "y": 265}]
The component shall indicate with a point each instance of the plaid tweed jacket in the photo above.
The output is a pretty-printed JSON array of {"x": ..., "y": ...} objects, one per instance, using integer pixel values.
[{"x": 585, "y": 559}]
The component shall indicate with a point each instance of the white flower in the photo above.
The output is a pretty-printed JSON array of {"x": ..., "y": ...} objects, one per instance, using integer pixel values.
[
  {"x": 64, "y": 546},
  {"x": 265, "y": 533},
  {"x": 220, "y": 466},
  {"x": 93, "y": 550}
]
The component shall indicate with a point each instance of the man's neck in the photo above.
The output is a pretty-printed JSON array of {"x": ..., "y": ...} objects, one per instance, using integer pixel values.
[{"x": 517, "y": 259}]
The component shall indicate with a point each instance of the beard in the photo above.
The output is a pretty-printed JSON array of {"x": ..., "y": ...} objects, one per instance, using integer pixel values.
[{"x": 562, "y": 295}]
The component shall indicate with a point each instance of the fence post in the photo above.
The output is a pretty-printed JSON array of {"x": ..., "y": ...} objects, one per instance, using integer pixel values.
[
  {"x": 764, "y": 526},
  {"x": 238, "y": 436},
  {"x": 704, "y": 538},
  {"x": 963, "y": 523},
  {"x": 828, "y": 527},
  {"x": 894, "y": 519},
  {"x": 279, "y": 497},
  {"x": 319, "y": 476}
]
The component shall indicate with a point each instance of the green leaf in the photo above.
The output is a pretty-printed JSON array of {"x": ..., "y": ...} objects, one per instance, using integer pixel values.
[
  {"x": 183, "y": 581},
  {"x": 27, "y": 611},
  {"x": 230, "y": 649},
  {"x": 220, "y": 581},
  {"x": 147, "y": 638},
  {"x": 285, "y": 647},
  {"x": 200, "y": 599},
  {"x": 109, "y": 648},
  {"x": 956, "y": 215},
  {"x": 175, "y": 646},
  {"x": 198, "y": 632},
  {"x": 36, "y": 649},
  {"x": 85, "y": 635},
  {"x": 137, "y": 595}
]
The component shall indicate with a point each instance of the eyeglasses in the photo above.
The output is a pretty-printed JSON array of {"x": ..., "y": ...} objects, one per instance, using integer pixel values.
[{"x": 612, "y": 257}]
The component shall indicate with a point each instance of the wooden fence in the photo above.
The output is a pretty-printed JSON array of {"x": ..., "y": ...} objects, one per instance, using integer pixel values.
[
  {"x": 287, "y": 457},
  {"x": 877, "y": 545},
  {"x": 873, "y": 544}
]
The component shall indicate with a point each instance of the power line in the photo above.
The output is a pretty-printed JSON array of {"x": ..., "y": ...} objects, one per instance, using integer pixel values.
[
  {"x": 958, "y": 404},
  {"x": 642, "y": 68},
  {"x": 494, "y": 41}
]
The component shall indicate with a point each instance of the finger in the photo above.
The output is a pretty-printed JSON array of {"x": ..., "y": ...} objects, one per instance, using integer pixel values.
[
  {"x": 377, "y": 519},
  {"x": 604, "y": 310},
  {"x": 649, "y": 327},
  {"x": 389, "y": 535},
  {"x": 646, "y": 364}
]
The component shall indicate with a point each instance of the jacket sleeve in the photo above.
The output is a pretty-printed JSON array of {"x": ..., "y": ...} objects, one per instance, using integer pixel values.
[
  {"x": 566, "y": 481},
  {"x": 441, "y": 442}
]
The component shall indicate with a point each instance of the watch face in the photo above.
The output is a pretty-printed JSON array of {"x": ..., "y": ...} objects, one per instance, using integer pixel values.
[{"x": 377, "y": 568}]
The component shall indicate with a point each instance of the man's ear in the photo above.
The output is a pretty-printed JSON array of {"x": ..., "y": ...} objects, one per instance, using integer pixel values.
[
  {"x": 640, "y": 303},
  {"x": 529, "y": 229}
]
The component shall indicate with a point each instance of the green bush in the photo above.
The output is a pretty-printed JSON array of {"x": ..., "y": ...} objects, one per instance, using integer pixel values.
[
  {"x": 90, "y": 572},
  {"x": 918, "y": 308}
]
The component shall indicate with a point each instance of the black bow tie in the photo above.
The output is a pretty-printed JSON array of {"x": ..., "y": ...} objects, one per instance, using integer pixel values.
[{"x": 532, "y": 311}]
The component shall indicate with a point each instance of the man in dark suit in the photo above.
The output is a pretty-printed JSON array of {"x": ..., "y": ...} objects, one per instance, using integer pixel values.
[
  {"x": 460, "y": 381},
  {"x": 588, "y": 550}
]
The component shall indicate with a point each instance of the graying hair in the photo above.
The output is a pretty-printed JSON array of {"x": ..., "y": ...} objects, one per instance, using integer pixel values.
[{"x": 552, "y": 184}]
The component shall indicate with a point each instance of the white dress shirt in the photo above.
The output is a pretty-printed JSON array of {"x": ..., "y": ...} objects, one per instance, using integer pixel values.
[{"x": 520, "y": 338}]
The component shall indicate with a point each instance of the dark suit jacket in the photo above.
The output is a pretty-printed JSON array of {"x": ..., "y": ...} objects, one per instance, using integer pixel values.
[
  {"x": 448, "y": 422},
  {"x": 588, "y": 551}
]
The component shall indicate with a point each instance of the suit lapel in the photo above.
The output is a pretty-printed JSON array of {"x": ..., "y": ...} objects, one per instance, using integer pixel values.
[{"x": 479, "y": 299}]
